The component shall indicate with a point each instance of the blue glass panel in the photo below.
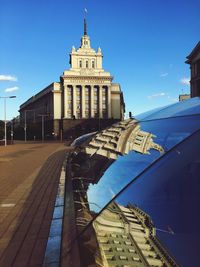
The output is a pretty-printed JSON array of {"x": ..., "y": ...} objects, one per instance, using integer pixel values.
[
  {"x": 169, "y": 192},
  {"x": 183, "y": 108},
  {"x": 168, "y": 132}
]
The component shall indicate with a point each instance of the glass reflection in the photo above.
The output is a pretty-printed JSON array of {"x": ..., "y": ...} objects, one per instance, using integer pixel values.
[
  {"x": 123, "y": 236},
  {"x": 99, "y": 173},
  {"x": 170, "y": 193},
  {"x": 113, "y": 158}
]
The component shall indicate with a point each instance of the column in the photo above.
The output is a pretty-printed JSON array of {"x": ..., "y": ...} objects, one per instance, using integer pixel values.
[
  {"x": 83, "y": 101},
  {"x": 65, "y": 104},
  {"x": 92, "y": 101},
  {"x": 74, "y": 100},
  {"x": 109, "y": 102},
  {"x": 100, "y": 102}
]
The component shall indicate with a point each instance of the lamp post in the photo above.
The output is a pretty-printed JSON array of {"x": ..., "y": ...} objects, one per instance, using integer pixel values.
[
  {"x": 5, "y": 133},
  {"x": 43, "y": 116}
]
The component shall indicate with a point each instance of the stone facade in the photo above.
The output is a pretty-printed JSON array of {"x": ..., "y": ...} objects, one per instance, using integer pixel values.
[
  {"x": 194, "y": 60},
  {"x": 184, "y": 97},
  {"x": 84, "y": 98}
]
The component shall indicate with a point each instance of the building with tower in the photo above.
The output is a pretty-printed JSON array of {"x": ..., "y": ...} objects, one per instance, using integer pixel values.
[{"x": 85, "y": 99}]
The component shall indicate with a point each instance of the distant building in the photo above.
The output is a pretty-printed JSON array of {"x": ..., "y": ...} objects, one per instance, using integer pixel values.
[
  {"x": 194, "y": 60},
  {"x": 184, "y": 97},
  {"x": 84, "y": 100}
]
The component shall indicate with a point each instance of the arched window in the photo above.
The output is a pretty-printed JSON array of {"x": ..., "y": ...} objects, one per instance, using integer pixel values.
[{"x": 93, "y": 64}]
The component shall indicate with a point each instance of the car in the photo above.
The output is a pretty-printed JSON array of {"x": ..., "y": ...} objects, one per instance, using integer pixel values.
[{"x": 135, "y": 192}]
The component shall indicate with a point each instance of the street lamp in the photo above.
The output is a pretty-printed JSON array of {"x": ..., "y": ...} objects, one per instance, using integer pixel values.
[
  {"x": 43, "y": 116},
  {"x": 5, "y": 97}
]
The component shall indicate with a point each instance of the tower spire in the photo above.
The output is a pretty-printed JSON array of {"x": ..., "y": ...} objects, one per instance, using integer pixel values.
[{"x": 85, "y": 27}]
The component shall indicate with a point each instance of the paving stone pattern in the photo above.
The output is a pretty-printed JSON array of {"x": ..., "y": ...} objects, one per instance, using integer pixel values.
[{"x": 29, "y": 177}]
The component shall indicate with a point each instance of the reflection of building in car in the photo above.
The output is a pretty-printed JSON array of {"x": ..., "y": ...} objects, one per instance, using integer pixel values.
[
  {"x": 89, "y": 162},
  {"x": 127, "y": 237},
  {"x": 121, "y": 138},
  {"x": 103, "y": 149},
  {"x": 106, "y": 174}
]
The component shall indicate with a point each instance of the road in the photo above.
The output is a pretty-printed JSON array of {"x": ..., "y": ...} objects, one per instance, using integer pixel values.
[{"x": 29, "y": 175}]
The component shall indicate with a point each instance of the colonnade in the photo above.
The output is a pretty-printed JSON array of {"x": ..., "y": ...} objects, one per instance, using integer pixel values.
[{"x": 87, "y": 101}]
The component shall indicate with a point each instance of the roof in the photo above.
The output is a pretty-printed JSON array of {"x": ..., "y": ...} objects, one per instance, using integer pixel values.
[
  {"x": 43, "y": 92},
  {"x": 193, "y": 53}
]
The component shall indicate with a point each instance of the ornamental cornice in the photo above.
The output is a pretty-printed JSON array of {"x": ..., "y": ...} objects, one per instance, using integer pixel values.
[
  {"x": 86, "y": 79},
  {"x": 57, "y": 91}
]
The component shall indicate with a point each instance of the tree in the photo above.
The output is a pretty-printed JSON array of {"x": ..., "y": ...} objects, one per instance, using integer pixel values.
[{"x": 1, "y": 129}]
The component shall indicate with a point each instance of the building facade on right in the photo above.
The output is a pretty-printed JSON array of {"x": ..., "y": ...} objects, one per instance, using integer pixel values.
[{"x": 194, "y": 60}]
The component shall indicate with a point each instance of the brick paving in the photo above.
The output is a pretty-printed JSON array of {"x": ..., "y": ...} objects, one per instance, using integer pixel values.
[{"x": 29, "y": 176}]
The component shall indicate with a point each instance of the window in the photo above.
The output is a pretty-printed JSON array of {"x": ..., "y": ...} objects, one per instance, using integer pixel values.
[
  {"x": 80, "y": 63},
  {"x": 93, "y": 64},
  {"x": 86, "y": 64}
]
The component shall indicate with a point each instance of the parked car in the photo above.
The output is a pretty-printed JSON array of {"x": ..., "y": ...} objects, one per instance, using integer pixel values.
[{"x": 136, "y": 192}]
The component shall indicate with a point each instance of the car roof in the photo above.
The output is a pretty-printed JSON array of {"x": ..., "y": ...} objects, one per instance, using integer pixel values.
[{"x": 184, "y": 108}]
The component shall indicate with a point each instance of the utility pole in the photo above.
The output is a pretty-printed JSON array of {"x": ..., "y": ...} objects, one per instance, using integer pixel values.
[
  {"x": 43, "y": 130},
  {"x": 5, "y": 128}
]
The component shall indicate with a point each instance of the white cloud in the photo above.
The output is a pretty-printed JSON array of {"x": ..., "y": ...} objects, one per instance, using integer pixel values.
[
  {"x": 11, "y": 89},
  {"x": 8, "y": 78},
  {"x": 172, "y": 99},
  {"x": 164, "y": 74},
  {"x": 185, "y": 81},
  {"x": 156, "y": 95}
]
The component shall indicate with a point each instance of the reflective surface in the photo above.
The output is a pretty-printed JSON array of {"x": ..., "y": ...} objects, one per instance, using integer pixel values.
[
  {"x": 136, "y": 204},
  {"x": 183, "y": 108},
  {"x": 168, "y": 133},
  {"x": 170, "y": 193}
]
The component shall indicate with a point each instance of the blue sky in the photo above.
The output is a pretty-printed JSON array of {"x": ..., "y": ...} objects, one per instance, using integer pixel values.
[{"x": 144, "y": 43}]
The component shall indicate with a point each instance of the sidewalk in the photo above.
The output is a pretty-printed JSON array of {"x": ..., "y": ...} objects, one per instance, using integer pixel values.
[{"x": 29, "y": 175}]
